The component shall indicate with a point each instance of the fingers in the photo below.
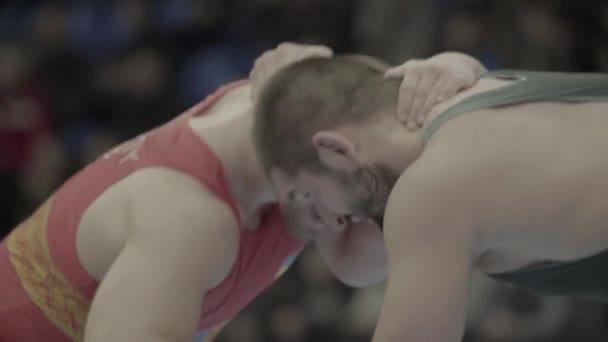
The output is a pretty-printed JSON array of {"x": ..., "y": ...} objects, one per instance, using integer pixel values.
[
  {"x": 426, "y": 83},
  {"x": 318, "y": 51},
  {"x": 401, "y": 70},
  {"x": 258, "y": 71},
  {"x": 432, "y": 99},
  {"x": 396, "y": 72},
  {"x": 419, "y": 83},
  {"x": 443, "y": 89},
  {"x": 288, "y": 53},
  {"x": 447, "y": 91},
  {"x": 407, "y": 92},
  {"x": 421, "y": 96}
]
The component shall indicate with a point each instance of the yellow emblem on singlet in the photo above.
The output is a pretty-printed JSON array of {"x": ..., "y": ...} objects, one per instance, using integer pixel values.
[
  {"x": 48, "y": 288},
  {"x": 44, "y": 283}
]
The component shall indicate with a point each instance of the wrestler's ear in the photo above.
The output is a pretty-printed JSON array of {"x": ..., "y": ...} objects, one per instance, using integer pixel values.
[{"x": 335, "y": 151}]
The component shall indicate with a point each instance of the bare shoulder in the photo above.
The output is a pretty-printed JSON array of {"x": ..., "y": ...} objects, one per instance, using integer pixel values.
[
  {"x": 181, "y": 242},
  {"x": 172, "y": 212},
  {"x": 468, "y": 147},
  {"x": 437, "y": 193},
  {"x": 164, "y": 195},
  {"x": 472, "y": 129},
  {"x": 454, "y": 161},
  {"x": 157, "y": 209}
]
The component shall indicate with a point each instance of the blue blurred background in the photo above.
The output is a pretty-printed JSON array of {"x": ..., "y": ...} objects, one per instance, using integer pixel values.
[{"x": 76, "y": 77}]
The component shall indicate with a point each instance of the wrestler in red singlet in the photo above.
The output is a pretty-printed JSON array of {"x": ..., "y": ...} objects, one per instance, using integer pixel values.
[{"x": 45, "y": 292}]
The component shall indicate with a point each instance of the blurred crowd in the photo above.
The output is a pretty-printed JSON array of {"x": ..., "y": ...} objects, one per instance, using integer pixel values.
[{"x": 76, "y": 77}]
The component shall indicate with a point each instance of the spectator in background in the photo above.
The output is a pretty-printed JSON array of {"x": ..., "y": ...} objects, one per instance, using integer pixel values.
[
  {"x": 463, "y": 30},
  {"x": 27, "y": 151},
  {"x": 147, "y": 98},
  {"x": 546, "y": 41},
  {"x": 54, "y": 65},
  {"x": 206, "y": 69},
  {"x": 396, "y": 29}
]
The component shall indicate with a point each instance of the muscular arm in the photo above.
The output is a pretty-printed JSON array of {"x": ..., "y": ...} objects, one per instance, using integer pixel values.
[
  {"x": 182, "y": 241},
  {"x": 430, "y": 250}
]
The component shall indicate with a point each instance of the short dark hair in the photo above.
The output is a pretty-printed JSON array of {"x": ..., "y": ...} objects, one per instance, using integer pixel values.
[{"x": 313, "y": 95}]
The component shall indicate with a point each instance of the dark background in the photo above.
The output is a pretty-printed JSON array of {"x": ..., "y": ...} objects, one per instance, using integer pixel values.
[{"x": 76, "y": 77}]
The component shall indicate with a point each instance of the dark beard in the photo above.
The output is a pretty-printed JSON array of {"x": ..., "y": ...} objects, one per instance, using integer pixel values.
[
  {"x": 370, "y": 188},
  {"x": 294, "y": 222}
]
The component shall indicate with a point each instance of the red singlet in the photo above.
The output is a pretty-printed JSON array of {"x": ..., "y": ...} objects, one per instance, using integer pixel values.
[{"x": 45, "y": 293}]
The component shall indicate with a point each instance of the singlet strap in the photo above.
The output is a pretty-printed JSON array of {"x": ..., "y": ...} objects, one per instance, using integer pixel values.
[{"x": 528, "y": 86}]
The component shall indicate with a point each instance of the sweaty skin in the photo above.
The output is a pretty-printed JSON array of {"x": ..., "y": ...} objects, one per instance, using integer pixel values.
[
  {"x": 226, "y": 129},
  {"x": 159, "y": 241},
  {"x": 496, "y": 190}
]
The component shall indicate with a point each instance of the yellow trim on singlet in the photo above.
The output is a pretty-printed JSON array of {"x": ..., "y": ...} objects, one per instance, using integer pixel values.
[
  {"x": 42, "y": 280},
  {"x": 46, "y": 285}
]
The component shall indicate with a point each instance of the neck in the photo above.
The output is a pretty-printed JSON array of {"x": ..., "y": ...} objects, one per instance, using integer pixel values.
[
  {"x": 398, "y": 147},
  {"x": 233, "y": 143},
  {"x": 388, "y": 142}
]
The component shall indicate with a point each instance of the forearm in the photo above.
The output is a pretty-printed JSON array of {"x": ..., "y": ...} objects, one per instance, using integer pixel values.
[
  {"x": 430, "y": 257},
  {"x": 458, "y": 57}
]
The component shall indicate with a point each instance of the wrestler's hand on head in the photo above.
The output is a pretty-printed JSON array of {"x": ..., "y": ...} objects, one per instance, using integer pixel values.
[
  {"x": 427, "y": 82},
  {"x": 283, "y": 55}
]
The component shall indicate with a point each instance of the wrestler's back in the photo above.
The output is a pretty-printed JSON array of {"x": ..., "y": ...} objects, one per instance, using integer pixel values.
[{"x": 540, "y": 191}]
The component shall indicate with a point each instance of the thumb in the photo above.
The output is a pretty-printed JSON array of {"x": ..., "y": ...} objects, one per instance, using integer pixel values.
[{"x": 395, "y": 72}]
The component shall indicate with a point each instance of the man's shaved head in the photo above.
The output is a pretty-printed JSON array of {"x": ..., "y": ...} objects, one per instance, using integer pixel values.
[{"x": 313, "y": 95}]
